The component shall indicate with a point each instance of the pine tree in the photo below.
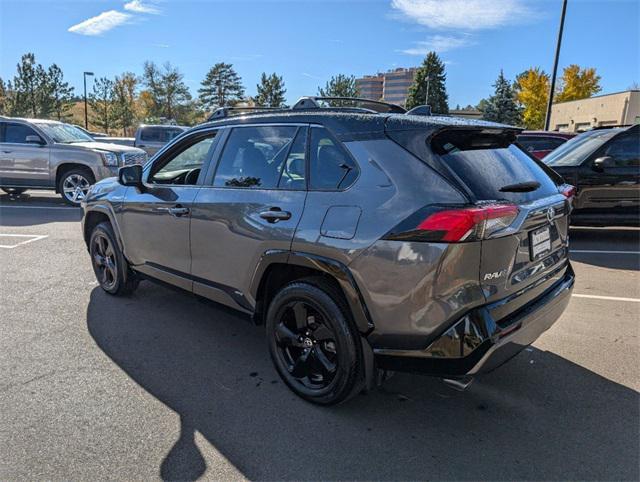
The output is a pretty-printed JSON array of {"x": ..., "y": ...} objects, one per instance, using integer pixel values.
[
  {"x": 339, "y": 86},
  {"x": 101, "y": 101},
  {"x": 124, "y": 100},
  {"x": 166, "y": 88},
  {"x": 270, "y": 91},
  {"x": 502, "y": 107},
  {"x": 30, "y": 88},
  {"x": 60, "y": 93},
  {"x": 221, "y": 87},
  {"x": 432, "y": 68},
  {"x": 5, "y": 108},
  {"x": 532, "y": 92}
]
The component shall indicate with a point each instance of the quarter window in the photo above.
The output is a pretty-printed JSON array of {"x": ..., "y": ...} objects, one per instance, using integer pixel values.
[
  {"x": 254, "y": 158},
  {"x": 331, "y": 167}
]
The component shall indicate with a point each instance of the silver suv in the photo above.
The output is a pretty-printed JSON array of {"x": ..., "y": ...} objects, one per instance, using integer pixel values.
[
  {"x": 44, "y": 154},
  {"x": 361, "y": 240}
]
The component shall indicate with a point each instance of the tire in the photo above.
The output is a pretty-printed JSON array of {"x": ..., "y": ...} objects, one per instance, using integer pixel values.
[
  {"x": 13, "y": 191},
  {"x": 109, "y": 265},
  {"x": 310, "y": 314},
  {"x": 74, "y": 184}
]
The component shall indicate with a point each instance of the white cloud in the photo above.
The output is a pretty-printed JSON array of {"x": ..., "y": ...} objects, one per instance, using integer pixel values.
[
  {"x": 100, "y": 23},
  {"x": 437, "y": 43},
  {"x": 463, "y": 14},
  {"x": 139, "y": 7}
]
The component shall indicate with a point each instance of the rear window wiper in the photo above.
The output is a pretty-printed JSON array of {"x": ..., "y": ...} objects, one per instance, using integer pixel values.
[{"x": 527, "y": 186}]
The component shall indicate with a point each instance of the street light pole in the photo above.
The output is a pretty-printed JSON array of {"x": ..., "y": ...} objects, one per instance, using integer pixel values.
[
  {"x": 555, "y": 66},
  {"x": 426, "y": 97},
  {"x": 86, "y": 117}
]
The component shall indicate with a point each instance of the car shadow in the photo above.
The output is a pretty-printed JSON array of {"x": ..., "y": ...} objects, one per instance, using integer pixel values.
[
  {"x": 606, "y": 239},
  {"x": 538, "y": 417},
  {"x": 35, "y": 209}
]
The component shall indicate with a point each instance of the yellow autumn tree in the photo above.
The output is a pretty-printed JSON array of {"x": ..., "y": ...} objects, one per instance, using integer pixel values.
[
  {"x": 532, "y": 92},
  {"x": 577, "y": 83}
]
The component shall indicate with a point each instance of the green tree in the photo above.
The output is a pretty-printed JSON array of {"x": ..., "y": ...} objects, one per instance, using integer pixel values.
[
  {"x": 60, "y": 93},
  {"x": 30, "y": 88},
  {"x": 221, "y": 87},
  {"x": 532, "y": 92},
  {"x": 432, "y": 68},
  {"x": 124, "y": 100},
  {"x": 167, "y": 90},
  {"x": 5, "y": 92},
  {"x": 577, "y": 83},
  {"x": 270, "y": 91},
  {"x": 501, "y": 106},
  {"x": 339, "y": 86},
  {"x": 102, "y": 105}
]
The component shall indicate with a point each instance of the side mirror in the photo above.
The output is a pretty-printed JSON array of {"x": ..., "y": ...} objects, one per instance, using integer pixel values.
[
  {"x": 34, "y": 139},
  {"x": 601, "y": 163},
  {"x": 131, "y": 176}
]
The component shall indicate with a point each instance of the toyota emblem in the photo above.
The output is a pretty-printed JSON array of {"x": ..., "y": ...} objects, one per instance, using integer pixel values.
[{"x": 551, "y": 213}]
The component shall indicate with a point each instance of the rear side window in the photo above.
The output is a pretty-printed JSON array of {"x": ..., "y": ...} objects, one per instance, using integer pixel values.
[
  {"x": 331, "y": 167},
  {"x": 159, "y": 134},
  {"x": 254, "y": 157},
  {"x": 487, "y": 164}
]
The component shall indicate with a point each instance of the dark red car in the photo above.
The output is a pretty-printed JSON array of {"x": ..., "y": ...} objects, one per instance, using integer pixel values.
[{"x": 541, "y": 143}]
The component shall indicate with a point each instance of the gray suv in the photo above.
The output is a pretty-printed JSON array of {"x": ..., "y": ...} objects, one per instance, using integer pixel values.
[
  {"x": 44, "y": 154},
  {"x": 152, "y": 138},
  {"x": 362, "y": 241}
]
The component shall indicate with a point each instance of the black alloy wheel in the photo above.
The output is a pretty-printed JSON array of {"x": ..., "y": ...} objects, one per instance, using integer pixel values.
[{"x": 313, "y": 342}]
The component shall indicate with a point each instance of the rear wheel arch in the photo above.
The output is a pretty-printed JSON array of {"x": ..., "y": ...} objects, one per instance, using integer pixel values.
[{"x": 276, "y": 269}]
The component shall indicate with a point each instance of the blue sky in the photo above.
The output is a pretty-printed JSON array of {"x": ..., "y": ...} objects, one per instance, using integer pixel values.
[{"x": 308, "y": 41}]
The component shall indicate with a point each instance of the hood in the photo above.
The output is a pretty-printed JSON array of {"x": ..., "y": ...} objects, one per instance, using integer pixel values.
[{"x": 104, "y": 146}]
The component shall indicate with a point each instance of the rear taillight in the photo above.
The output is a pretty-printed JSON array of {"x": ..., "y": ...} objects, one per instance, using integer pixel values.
[
  {"x": 568, "y": 191},
  {"x": 455, "y": 225}
]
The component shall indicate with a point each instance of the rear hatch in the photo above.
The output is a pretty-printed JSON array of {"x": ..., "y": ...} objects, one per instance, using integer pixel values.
[{"x": 525, "y": 245}]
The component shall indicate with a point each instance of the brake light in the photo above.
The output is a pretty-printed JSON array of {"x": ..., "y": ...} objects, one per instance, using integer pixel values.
[
  {"x": 456, "y": 225},
  {"x": 568, "y": 191}
]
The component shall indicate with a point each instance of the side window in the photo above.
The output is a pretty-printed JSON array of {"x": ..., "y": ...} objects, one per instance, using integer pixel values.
[
  {"x": 184, "y": 166},
  {"x": 171, "y": 134},
  {"x": 151, "y": 134},
  {"x": 253, "y": 157},
  {"x": 330, "y": 166},
  {"x": 17, "y": 133},
  {"x": 625, "y": 150}
]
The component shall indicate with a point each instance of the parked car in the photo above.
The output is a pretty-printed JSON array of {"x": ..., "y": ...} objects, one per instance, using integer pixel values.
[
  {"x": 361, "y": 240},
  {"x": 43, "y": 154},
  {"x": 604, "y": 166},
  {"x": 102, "y": 137},
  {"x": 541, "y": 143},
  {"x": 153, "y": 137}
]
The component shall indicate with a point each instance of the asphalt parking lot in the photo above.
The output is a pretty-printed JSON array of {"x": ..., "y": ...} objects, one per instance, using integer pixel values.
[{"x": 161, "y": 385}]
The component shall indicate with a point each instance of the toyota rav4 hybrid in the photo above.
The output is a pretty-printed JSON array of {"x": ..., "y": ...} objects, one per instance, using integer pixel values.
[
  {"x": 44, "y": 154},
  {"x": 362, "y": 241}
]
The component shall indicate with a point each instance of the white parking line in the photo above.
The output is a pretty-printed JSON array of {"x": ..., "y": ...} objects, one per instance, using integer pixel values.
[
  {"x": 32, "y": 238},
  {"x": 608, "y": 298},
  {"x": 601, "y": 251}
]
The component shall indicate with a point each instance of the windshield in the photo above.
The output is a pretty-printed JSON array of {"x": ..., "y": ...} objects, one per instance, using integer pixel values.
[
  {"x": 575, "y": 151},
  {"x": 64, "y": 133}
]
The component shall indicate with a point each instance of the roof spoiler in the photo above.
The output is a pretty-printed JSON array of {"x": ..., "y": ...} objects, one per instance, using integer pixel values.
[
  {"x": 365, "y": 105},
  {"x": 222, "y": 112}
]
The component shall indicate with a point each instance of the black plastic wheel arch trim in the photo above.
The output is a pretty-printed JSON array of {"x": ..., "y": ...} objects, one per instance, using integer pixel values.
[{"x": 328, "y": 266}]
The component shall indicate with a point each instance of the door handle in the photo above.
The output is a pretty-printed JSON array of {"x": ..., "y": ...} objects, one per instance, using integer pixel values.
[
  {"x": 273, "y": 215},
  {"x": 175, "y": 211}
]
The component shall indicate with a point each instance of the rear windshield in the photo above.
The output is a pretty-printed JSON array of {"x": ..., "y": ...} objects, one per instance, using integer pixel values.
[{"x": 492, "y": 167}]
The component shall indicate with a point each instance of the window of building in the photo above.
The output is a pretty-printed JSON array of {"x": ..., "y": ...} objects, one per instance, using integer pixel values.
[{"x": 331, "y": 167}]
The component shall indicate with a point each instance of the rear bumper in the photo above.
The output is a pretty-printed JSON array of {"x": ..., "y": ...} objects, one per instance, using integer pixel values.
[{"x": 477, "y": 343}]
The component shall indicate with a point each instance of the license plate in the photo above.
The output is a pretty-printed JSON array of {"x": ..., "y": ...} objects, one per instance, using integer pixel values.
[{"x": 540, "y": 242}]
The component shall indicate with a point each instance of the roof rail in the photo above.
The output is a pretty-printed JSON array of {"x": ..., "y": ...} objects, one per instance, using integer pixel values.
[
  {"x": 364, "y": 105},
  {"x": 222, "y": 112}
]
